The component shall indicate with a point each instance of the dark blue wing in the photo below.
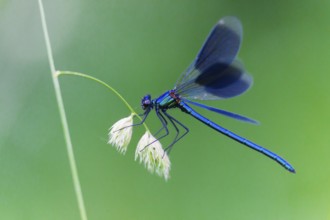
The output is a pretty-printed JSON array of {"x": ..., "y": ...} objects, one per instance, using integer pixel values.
[
  {"x": 216, "y": 83},
  {"x": 222, "y": 44},
  {"x": 223, "y": 112},
  {"x": 215, "y": 74}
]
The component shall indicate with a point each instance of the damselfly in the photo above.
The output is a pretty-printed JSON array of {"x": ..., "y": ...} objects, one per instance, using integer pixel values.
[{"x": 215, "y": 73}]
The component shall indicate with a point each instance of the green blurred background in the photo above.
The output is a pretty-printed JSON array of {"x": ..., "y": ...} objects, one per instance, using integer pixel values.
[{"x": 142, "y": 47}]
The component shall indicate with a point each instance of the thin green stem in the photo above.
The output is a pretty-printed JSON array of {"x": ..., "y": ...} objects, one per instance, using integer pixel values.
[
  {"x": 72, "y": 161},
  {"x": 58, "y": 73}
]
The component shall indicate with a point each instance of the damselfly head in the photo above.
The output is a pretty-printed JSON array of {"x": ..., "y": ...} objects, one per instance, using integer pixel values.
[{"x": 146, "y": 102}]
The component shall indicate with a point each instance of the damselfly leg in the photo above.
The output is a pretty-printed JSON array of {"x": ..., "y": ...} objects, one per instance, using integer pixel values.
[{"x": 176, "y": 139}]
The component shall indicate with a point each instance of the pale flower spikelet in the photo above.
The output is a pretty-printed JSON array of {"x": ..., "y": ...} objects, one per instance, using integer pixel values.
[
  {"x": 153, "y": 156},
  {"x": 120, "y": 133}
]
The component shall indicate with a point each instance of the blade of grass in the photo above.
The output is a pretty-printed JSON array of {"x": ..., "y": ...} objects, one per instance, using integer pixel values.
[{"x": 73, "y": 166}]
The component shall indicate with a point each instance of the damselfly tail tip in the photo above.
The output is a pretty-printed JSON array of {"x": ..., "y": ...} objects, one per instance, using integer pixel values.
[{"x": 291, "y": 169}]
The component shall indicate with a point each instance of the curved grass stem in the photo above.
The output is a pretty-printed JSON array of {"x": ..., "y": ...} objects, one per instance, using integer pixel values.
[{"x": 58, "y": 73}]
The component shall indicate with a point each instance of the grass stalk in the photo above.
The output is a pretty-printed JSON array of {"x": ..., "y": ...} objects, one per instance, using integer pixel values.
[{"x": 72, "y": 162}]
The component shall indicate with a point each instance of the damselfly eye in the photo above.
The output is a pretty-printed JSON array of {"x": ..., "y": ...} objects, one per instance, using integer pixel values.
[{"x": 146, "y": 101}]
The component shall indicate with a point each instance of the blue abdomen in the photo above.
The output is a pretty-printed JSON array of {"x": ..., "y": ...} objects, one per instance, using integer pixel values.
[{"x": 237, "y": 138}]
